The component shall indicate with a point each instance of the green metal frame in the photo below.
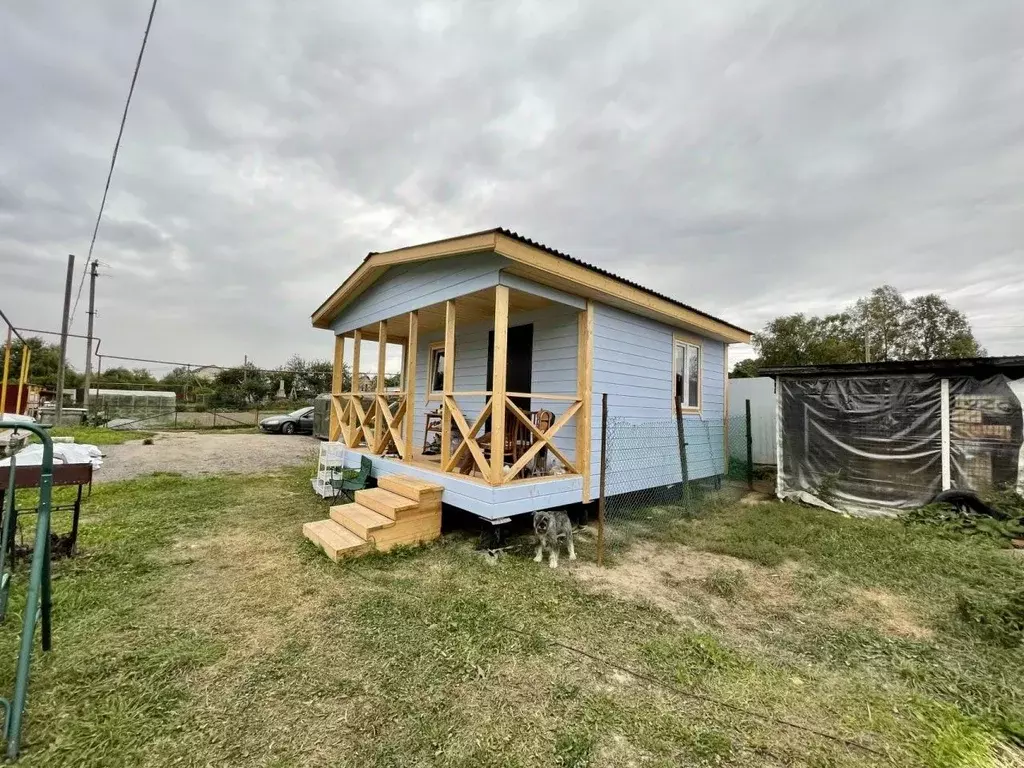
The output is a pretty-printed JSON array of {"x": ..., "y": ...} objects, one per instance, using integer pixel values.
[{"x": 38, "y": 599}]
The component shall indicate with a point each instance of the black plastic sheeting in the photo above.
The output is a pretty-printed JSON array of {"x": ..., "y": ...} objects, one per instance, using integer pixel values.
[{"x": 874, "y": 443}]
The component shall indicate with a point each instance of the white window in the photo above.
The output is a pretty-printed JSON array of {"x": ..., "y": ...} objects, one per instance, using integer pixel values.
[
  {"x": 686, "y": 366},
  {"x": 435, "y": 372}
]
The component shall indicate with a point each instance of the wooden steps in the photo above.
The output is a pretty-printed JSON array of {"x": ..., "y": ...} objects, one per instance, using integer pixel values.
[
  {"x": 360, "y": 520},
  {"x": 400, "y": 510},
  {"x": 336, "y": 541}
]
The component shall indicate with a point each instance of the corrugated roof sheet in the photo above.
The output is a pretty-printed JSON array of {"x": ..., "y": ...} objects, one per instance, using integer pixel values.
[{"x": 594, "y": 268}]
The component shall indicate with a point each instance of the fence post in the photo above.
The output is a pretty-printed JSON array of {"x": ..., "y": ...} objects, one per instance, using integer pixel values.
[
  {"x": 681, "y": 437},
  {"x": 215, "y": 416},
  {"x": 604, "y": 464},
  {"x": 257, "y": 414},
  {"x": 750, "y": 449}
]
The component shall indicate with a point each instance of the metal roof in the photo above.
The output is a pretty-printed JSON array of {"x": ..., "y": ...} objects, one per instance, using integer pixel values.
[
  {"x": 547, "y": 249},
  {"x": 1012, "y": 366}
]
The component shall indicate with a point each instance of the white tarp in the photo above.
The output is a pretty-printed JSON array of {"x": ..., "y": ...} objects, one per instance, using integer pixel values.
[{"x": 63, "y": 453}]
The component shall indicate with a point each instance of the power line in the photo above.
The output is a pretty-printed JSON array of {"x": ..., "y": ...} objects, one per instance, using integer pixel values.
[{"x": 113, "y": 157}]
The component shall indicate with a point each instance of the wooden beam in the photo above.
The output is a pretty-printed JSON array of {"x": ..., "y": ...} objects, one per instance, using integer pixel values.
[
  {"x": 467, "y": 440},
  {"x": 412, "y": 341},
  {"x": 26, "y": 357},
  {"x": 357, "y": 342},
  {"x": 480, "y": 419},
  {"x": 584, "y": 391},
  {"x": 449, "y": 381},
  {"x": 7, "y": 366},
  {"x": 379, "y": 428},
  {"x": 498, "y": 383},
  {"x": 337, "y": 385},
  {"x": 541, "y": 439}
]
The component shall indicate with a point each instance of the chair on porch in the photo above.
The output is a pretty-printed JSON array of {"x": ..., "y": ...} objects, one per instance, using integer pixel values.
[{"x": 518, "y": 439}]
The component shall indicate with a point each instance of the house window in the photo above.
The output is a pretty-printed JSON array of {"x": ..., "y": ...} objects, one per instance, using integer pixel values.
[
  {"x": 687, "y": 370},
  {"x": 435, "y": 373}
]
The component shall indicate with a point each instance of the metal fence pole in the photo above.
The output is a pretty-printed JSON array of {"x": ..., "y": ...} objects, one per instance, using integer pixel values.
[
  {"x": 681, "y": 437},
  {"x": 750, "y": 449},
  {"x": 604, "y": 464},
  {"x": 215, "y": 416}
]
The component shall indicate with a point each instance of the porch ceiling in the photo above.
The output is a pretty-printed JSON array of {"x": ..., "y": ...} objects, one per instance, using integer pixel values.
[{"x": 476, "y": 307}]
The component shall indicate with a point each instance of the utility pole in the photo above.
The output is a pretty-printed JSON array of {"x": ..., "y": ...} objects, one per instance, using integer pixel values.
[
  {"x": 58, "y": 407},
  {"x": 867, "y": 343},
  {"x": 88, "y": 333}
]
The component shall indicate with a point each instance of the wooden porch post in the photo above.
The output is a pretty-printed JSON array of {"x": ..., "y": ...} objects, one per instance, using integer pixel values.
[
  {"x": 337, "y": 384},
  {"x": 498, "y": 384},
  {"x": 449, "y": 381},
  {"x": 26, "y": 360},
  {"x": 355, "y": 430},
  {"x": 584, "y": 391},
  {"x": 380, "y": 427},
  {"x": 410, "y": 380}
]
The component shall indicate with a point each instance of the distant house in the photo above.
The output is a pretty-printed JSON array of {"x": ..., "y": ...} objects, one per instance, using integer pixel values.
[
  {"x": 887, "y": 436},
  {"x": 509, "y": 343}
]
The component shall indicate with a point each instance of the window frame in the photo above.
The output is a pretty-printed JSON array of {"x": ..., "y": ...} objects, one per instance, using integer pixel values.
[
  {"x": 688, "y": 340},
  {"x": 434, "y": 394}
]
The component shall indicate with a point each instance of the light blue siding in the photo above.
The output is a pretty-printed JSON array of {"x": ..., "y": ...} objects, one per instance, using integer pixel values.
[
  {"x": 413, "y": 286},
  {"x": 633, "y": 364},
  {"x": 479, "y": 498},
  {"x": 554, "y": 367}
]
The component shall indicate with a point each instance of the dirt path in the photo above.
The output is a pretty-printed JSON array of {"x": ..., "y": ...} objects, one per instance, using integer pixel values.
[{"x": 191, "y": 453}]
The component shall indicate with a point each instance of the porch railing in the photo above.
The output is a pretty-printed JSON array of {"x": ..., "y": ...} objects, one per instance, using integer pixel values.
[
  {"x": 373, "y": 420},
  {"x": 540, "y": 439}
]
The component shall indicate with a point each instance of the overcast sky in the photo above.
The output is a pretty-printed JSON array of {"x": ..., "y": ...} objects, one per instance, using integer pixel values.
[{"x": 749, "y": 158}]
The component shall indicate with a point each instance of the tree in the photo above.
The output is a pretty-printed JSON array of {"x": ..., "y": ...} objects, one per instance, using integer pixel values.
[
  {"x": 113, "y": 378},
  {"x": 745, "y": 369},
  {"x": 802, "y": 340},
  {"x": 924, "y": 328},
  {"x": 44, "y": 363},
  {"x": 240, "y": 386},
  {"x": 933, "y": 329},
  {"x": 881, "y": 318}
]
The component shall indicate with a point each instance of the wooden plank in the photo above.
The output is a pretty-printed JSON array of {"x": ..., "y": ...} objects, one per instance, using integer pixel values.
[
  {"x": 584, "y": 390},
  {"x": 379, "y": 428},
  {"x": 542, "y": 438},
  {"x": 542, "y": 396},
  {"x": 337, "y": 418},
  {"x": 469, "y": 442},
  {"x": 480, "y": 419},
  {"x": 357, "y": 342},
  {"x": 337, "y": 379},
  {"x": 449, "y": 380},
  {"x": 362, "y": 521},
  {"x": 498, "y": 383},
  {"x": 412, "y": 342}
]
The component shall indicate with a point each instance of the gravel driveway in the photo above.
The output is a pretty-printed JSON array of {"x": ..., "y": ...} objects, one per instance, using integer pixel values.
[{"x": 191, "y": 453}]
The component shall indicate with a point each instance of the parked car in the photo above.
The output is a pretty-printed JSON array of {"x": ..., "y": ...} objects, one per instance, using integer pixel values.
[{"x": 300, "y": 421}]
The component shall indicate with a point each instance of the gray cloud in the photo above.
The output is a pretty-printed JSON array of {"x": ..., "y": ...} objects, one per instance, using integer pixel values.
[{"x": 751, "y": 159}]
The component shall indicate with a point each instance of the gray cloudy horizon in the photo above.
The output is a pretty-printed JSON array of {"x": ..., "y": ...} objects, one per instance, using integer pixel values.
[{"x": 749, "y": 158}]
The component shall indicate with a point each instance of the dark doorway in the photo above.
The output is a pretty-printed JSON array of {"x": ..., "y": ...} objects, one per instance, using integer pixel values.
[{"x": 519, "y": 368}]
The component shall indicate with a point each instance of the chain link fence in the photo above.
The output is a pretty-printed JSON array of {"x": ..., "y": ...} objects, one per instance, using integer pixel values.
[{"x": 649, "y": 483}]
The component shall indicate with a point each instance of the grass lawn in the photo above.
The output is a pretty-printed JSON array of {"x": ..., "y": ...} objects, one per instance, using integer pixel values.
[
  {"x": 199, "y": 628},
  {"x": 98, "y": 435}
]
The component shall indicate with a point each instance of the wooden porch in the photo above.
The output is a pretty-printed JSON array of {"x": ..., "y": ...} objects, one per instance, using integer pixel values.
[{"x": 382, "y": 422}]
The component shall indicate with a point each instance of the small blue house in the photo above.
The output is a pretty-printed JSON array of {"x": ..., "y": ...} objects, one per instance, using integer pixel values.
[{"x": 507, "y": 346}]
